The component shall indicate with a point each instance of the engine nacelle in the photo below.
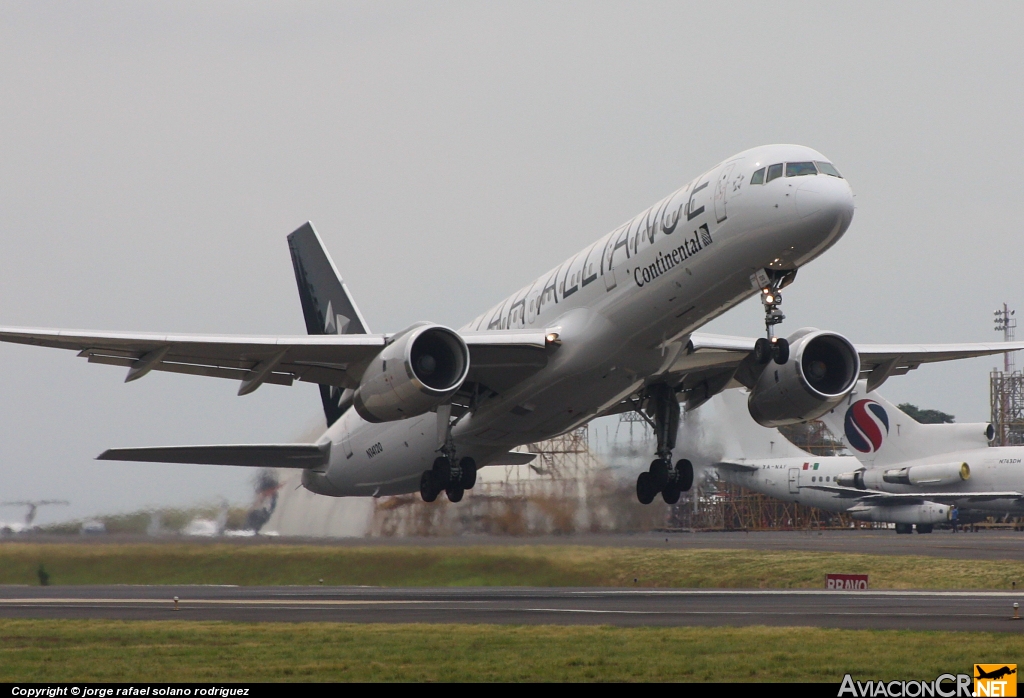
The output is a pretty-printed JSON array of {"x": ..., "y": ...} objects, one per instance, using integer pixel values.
[
  {"x": 821, "y": 370},
  {"x": 854, "y": 479},
  {"x": 932, "y": 474},
  {"x": 421, "y": 368},
  {"x": 927, "y": 513}
]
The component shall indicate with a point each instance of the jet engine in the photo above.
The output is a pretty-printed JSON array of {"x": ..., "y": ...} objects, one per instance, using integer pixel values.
[
  {"x": 926, "y": 513},
  {"x": 419, "y": 369},
  {"x": 821, "y": 370},
  {"x": 927, "y": 475},
  {"x": 931, "y": 474}
]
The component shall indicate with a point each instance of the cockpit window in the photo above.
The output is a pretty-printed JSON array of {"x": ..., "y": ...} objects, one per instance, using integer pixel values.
[
  {"x": 828, "y": 168},
  {"x": 758, "y": 177},
  {"x": 799, "y": 169},
  {"x": 774, "y": 171}
]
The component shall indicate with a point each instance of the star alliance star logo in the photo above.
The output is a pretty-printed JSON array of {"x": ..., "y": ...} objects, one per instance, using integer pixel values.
[{"x": 335, "y": 324}]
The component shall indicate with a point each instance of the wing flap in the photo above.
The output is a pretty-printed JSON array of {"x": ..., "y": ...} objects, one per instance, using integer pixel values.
[
  {"x": 500, "y": 360},
  {"x": 248, "y": 455}
]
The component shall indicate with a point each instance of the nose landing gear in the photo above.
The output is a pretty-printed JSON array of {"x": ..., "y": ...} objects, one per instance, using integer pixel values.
[
  {"x": 770, "y": 347},
  {"x": 671, "y": 481}
]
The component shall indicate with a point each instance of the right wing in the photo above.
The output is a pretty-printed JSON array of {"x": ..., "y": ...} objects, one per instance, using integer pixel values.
[
  {"x": 498, "y": 360},
  {"x": 324, "y": 359}
]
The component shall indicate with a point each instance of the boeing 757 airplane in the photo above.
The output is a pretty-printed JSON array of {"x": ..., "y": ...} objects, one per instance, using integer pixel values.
[{"x": 612, "y": 328}]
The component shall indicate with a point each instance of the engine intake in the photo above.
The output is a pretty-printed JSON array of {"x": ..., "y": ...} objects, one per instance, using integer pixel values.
[
  {"x": 821, "y": 370},
  {"x": 422, "y": 367}
]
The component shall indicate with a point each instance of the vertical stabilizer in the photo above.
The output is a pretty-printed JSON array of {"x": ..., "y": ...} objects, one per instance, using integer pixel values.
[
  {"x": 880, "y": 434},
  {"x": 327, "y": 306}
]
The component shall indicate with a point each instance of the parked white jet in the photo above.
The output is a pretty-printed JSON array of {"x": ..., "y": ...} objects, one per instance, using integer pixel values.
[
  {"x": 722, "y": 436},
  {"x": 610, "y": 329},
  {"x": 904, "y": 472},
  {"x": 900, "y": 458}
]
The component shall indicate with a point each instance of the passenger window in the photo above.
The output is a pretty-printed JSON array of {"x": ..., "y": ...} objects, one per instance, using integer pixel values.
[
  {"x": 800, "y": 169},
  {"x": 828, "y": 168},
  {"x": 774, "y": 171},
  {"x": 758, "y": 177}
]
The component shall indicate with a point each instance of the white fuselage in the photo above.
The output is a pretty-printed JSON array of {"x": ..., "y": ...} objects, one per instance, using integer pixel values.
[
  {"x": 991, "y": 470},
  {"x": 624, "y": 308},
  {"x": 786, "y": 478}
]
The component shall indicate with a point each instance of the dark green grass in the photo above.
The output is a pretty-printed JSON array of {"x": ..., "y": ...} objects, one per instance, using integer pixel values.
[
  {"x": 197, "y": 563},
  {"x": 50, "y": 651}
]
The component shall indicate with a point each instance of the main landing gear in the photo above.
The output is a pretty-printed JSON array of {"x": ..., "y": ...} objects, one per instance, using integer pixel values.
[
  {"x": 662, "y": 476},
  {"x": 771, "y": 347},
  {"x": 449, "y": 474}
]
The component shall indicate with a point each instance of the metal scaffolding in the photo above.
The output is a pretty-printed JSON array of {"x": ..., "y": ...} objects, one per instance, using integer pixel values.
[
  {"x": 727, "y": 507},
  {"x": 1006, "y": 388},
  {"x": 566, "y": 489},
  {"x": 549, "y": 495}
]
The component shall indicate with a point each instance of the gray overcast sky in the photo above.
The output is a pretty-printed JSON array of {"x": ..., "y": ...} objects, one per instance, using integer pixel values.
[{"x": 154, "y": 155}]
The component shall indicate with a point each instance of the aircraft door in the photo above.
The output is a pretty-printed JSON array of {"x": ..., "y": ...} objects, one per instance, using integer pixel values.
[
  {"x": 722, "y": 192},
  {"x": 794, "y": 483}
]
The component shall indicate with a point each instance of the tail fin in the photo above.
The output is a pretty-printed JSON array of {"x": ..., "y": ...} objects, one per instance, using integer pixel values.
[
  {"x": 722, "y": 429},
  {"x": 326, "y": 303},
  {"x": 881, "y": 434}
]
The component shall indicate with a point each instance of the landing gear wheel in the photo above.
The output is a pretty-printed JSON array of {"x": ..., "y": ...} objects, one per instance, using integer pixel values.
[
  {"x": 684, "y": 468},
  {"x": 904, "y": 528},
  {"x": 427, "y": 489},
  {"x": 780, "y": 351},
  {"x": 442, "y": 472},
  {"x": 671, "y": 493},
  {"x": 468, "y": 467},
  {"x": 455, "y": 493},
  {"x": 762, "y": 351},
  {"x": 645, "y": 489},
  {"x": 659, "y": 474},
  {"x": 925, "y": 528}
]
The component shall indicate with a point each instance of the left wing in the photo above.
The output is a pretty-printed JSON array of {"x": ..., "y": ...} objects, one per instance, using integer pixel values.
[
  {"x": 710, "y": 363},
  {"x": 709, "y": 350}
]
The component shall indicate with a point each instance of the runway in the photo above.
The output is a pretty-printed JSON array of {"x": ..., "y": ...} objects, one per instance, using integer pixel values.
[{"x": 915, "y": 610}]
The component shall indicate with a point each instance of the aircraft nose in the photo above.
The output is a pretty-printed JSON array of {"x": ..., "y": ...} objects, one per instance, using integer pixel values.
[{"x": 826, "y": 195}]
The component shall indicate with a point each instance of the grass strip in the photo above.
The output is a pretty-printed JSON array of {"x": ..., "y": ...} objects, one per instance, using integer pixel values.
[
  {"x": 96, "y": 650},
  {"x": 412, "y": 566}
]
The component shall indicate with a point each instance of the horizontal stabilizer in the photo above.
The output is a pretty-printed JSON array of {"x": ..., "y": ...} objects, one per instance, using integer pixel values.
[
  {"x": 250, "y": 455},
  {"x": 733, "y": 465},
  {"x": 512, "y": 458}
]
